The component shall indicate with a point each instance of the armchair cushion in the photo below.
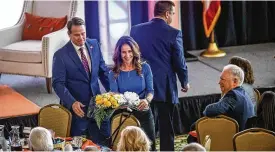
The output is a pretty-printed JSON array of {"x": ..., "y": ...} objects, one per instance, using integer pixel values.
[
  {"x": 35, "y": 27},
  {"x": 28, "y": 51}
]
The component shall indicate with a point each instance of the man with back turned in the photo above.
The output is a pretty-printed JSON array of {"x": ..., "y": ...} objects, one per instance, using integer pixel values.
[{"x": 162, "y": 47}]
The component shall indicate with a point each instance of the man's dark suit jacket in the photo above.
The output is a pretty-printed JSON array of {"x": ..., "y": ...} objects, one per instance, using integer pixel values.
[
  {"x": 235, "y": 104},
  {"x": 162, "y": 47},
  {"x": 70, "y": 80}
]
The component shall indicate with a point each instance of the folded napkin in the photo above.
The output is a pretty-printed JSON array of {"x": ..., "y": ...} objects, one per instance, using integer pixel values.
[{"x": 89, "y": 143}]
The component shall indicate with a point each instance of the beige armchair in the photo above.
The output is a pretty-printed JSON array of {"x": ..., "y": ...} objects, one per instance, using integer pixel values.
[{"x": 34, "y": 57}]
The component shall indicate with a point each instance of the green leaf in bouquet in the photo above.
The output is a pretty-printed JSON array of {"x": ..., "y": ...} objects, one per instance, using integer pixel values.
[{"x": 100, "y": 114}]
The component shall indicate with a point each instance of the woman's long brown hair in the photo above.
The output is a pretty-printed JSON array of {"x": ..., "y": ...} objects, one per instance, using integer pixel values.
[
  {"x": 246, "y": 66},
  {"x": 117, "y": 55},
  {"x": 266, "y": 110}
]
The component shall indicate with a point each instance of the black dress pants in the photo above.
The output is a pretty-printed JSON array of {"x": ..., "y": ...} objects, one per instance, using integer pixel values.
[{"x": 165, "y": 112}]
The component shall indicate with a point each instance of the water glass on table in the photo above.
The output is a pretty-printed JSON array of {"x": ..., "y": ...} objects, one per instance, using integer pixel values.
[
  {"x": 15, "y": 141},
  {"x": 77, "y": 142}
]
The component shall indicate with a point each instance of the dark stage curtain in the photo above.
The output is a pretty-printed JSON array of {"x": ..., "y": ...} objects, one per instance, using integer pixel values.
[
  {"x": 188, "y": 111},
  {"x": 240, "y": 23},
  {"x": 92, "y": 20},
  {"x": 139, "y": 12}
]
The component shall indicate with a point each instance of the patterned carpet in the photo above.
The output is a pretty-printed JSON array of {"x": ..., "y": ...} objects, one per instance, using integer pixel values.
[{"x": 180, "y": 141}]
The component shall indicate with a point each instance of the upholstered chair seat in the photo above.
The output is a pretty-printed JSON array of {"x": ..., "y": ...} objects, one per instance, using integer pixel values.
[{"x": 28, "y": 51}]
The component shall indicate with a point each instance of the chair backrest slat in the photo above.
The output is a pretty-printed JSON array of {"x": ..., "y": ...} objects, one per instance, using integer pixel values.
[{"x": 258, "y": 95}]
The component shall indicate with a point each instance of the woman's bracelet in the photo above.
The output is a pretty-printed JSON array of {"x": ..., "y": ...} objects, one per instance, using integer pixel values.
[{"x": 147, "y": 100}]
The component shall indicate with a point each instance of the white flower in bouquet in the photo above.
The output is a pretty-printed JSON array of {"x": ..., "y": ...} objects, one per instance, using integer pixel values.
[
  {"x": 120, "y": 98},
  {"x": 132, "y": 98}
]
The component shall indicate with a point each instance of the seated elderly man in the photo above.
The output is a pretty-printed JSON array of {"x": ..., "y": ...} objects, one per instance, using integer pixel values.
[
  {"x": 41, "y": 139},
  {"x": 235, "y": 102}
]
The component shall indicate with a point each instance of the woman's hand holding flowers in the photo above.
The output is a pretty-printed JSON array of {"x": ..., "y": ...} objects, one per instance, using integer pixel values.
[{"x": 143, "y": 105}]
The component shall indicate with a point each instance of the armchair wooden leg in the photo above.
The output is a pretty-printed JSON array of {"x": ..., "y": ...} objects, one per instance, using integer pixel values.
[{"x": 49, "y": 85}]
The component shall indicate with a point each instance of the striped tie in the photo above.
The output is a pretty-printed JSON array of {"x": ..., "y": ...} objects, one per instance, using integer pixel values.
[{"x": 84, "y": 61}]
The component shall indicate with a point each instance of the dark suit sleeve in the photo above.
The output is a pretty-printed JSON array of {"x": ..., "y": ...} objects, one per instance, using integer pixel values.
[
  {"x": 59, "y": 80},
  {"x": 227, "y": 103},
  {"x": 103, "y": 71},
  {"x": 179, "y": 63}
]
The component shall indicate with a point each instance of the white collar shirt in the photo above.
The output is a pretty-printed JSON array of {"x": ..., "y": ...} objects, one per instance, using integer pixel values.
[{"x": 85, "y": 51}]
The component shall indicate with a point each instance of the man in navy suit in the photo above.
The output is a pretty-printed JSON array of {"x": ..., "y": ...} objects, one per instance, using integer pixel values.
[
  {"x": 162, "y": 47},
  {"x": 76, "y": 69},
  {"x": 235, "y": 102}
]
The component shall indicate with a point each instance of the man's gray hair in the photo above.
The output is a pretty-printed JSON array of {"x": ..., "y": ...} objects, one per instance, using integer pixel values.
[
  {"x": 236, "y": 72},
  {"x": 41, "y": 139}
]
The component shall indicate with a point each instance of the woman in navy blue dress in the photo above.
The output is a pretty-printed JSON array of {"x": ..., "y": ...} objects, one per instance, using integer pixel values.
[{"x": 132, "y": 75}]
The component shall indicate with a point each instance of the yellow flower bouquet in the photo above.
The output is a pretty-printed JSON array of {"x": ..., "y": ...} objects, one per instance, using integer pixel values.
[{"x": 102, "y": 106}]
